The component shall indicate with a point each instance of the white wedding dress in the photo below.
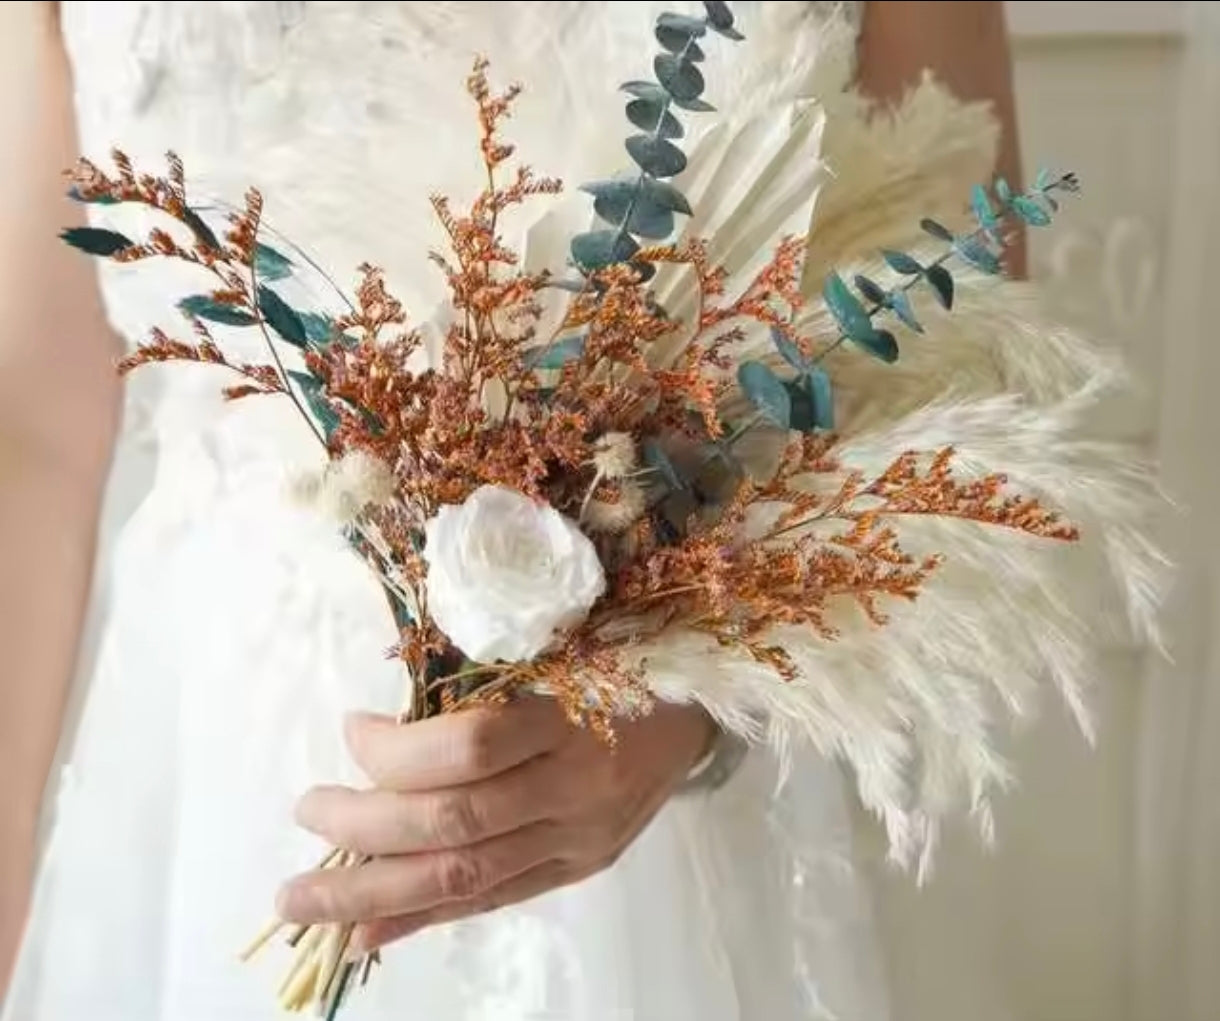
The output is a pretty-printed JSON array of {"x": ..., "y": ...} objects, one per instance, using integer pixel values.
[{"x": 231, "y": 631}]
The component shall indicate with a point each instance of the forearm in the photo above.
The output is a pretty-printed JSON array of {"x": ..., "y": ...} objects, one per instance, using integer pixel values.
[
  {"x": 59, "y": 400},
  {"x": 965, "y": 45},
  {"x": 48, "y": 515}
]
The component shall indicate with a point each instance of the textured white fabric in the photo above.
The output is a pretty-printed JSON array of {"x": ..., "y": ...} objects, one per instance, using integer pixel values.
[{"x": 235, "y": 630}]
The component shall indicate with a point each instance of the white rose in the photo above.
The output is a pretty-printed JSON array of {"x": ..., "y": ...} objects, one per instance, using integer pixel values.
[{"x": 505, "y": 574}]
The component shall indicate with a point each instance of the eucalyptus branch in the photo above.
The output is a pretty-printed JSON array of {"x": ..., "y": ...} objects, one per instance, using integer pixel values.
[{"x": 805, "y": 403}]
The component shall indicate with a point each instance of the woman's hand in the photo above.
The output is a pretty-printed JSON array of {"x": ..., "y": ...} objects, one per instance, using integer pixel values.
[{"x": 481, "y": 809}]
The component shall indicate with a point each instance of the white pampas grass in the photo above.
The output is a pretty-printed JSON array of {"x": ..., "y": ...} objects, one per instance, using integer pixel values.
[{"x": 916, "y": 708}]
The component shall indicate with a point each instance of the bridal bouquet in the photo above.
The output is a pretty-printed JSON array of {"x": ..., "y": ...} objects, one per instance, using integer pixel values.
[{"x": 619, "y": 479}]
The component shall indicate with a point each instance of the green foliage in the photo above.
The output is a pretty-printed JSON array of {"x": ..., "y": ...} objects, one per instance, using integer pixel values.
[
  {"x": 806, "y": 402},
  {"x": 203, "y": 233},
  {"x": 656, "y": 157},
  {"x": 96, "y": 240},
  {"x": 319, "y": 329},
  {"x": 652, "y": 116},
  {"x": 788, "y": 350},
  {"x": 556, "y": 355},
  {"x": 315, "y": 399},
  {"x": 600, "y": 248},
  {"x": 100, "y": 200},
  {"x": 941, "y": 282},
  {"x": 658, "y": 461},
  {"x": 766, "y": 391},
  {"x": 201, "y": 306},
  {"x": 271, "y": 265},
  {"x": 980, "y": 204},
  {"x": 856, "y": 321},
  {"x": 900, "y": 262},
  {"x": 974, "y": 250},
  {"x": 282, "y": 318},
  {"x": 899, "y": 302},
  {"x": 642, "y": 206}
]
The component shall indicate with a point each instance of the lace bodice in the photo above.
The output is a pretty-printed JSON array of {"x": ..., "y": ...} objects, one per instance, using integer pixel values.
[{"x": 349, "y": 115}]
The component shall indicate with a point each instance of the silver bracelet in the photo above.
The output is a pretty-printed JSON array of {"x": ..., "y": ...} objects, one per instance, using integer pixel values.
[{"x": 717, "y": 767}]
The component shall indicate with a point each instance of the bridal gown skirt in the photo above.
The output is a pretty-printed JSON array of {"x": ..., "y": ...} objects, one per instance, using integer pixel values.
[{"x": 237, "y": 632}]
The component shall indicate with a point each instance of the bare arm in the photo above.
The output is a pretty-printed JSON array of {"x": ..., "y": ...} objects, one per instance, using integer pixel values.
[
  {"x": 58, "y": 412},
  {"x": 966, "y": 45}
]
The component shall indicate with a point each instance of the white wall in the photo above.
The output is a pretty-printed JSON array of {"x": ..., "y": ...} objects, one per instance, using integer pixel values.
[{"x": 1047, "y": 929}]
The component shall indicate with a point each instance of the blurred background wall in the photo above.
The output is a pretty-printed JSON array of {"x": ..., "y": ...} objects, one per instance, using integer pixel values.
[{"x": 1102, "y": 901}]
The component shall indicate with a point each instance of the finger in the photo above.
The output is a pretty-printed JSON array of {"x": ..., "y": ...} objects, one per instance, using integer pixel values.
[
  {"x": 544, "y": 878},
  {"x": 454, "y": 748},
  {"x": 385, "y": 822},
  {"x": 407, "y": 884}
]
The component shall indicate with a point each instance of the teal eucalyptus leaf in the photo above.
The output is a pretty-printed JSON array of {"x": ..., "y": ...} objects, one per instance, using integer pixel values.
[
  {"x": 556, "y": 355},
  {"x": 941, "y": 282},
  {"x": 649, "y": 204},
  {"x": 315, "y": 399},
  {"x": 1002, "y": 190},
  {"x": 788, "y": 351},
  {"x": 696, "y": 28},
  {"x": 1029, "y": 211},
  {"x": 900, "y": 302},
  {"x": 653, "y": 91},
  {"x": 319, "y": 329},
  {"x": 100, "y": 200},
  {"x": 812, "y": 401},
  {"x": 680, "y": 45},
  {"x": 601, "y": 248},
  {"x": 764, "y": 389},
  {"x": 677, "y": 34},
  {"x": 980, "y": 204},
  {"x": 802, "y": 416},
  {"x": 651, "y": 115},
  {"x": 665, "y": 195},
  {"x": 271, "y": 265},
  {"x": 881, "y": 344},
  {"x": 900, "y": 262},
  {"x": 656, "y": 459},
  {"x": 975, "y": 252},
  {"x": 656, "y": 156},
  {"x": 282, "y": 318},
  {"x": 679, "y": 77},
  {"x": 96, "y": 240},
  {"x": 936, "y": 229},
  {"x": 870, "y": 290},
  {"x": 203, "y": 233},
  {"x": 817, "y": 381},
  {"x": 201, "y": 306},
  {"x": 692, "y": 105},
  {"x": 720, "y": 17},
  {"x": 645, "y": 90},
  {"x": 853, "y": 320},
  {"x": 651, "y": 221}
]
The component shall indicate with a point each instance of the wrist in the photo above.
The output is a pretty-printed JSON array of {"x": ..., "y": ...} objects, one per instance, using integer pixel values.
[{"x": 722, "y": 754}]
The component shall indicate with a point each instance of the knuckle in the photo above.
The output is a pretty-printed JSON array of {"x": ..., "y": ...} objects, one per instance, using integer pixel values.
[
  {"x": 606, "y": 860},
  {"x": 477, "y": 749},
  {"x": 324, "y": 900},
  {"x": 603, "y": 844},
  {"x": 454, "y": 819},
  {"x": 460, "y": 876}
]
